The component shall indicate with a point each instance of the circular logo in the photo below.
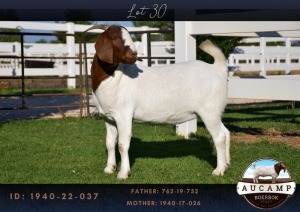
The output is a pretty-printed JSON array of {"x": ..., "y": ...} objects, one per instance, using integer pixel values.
[{"x": 266, "y": 184}]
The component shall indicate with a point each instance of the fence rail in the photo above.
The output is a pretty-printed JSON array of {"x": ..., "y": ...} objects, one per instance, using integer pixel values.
[
  {"x": 10, "y": 63},
  {"x": 264, "y": 58},
  {"x": 261, "y": 58}
]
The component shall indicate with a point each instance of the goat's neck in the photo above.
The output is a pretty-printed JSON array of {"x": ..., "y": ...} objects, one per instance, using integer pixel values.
[
  {"x": 107, "y": 68},
  {"x": 101, "y": 71},
  {"x": 277, "y": 168}
]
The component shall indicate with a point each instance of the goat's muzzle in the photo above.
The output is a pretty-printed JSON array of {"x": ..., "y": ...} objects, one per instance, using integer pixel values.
[
  {"x": 283, "y": 166},
  {"x": 131, "y": 57}
]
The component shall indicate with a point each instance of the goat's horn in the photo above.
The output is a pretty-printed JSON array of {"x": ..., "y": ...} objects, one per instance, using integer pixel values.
[{"x": 101, "y": 26}]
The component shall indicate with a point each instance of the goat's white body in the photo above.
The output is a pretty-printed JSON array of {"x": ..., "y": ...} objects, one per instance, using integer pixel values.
[
  {"x": 264, "y": 171},
  {"x": 170, "y": 94}
]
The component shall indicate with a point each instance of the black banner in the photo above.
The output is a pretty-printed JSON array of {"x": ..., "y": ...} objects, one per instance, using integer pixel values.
[
  {"x": 149, "y": 13},
  {"x": 172, "y": 4},
  {"x": 128, "y": 197}
]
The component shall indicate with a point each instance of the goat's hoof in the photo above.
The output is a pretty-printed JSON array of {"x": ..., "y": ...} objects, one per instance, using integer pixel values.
[
  {"x": 227, "y": 167},
  {"x": 110, "y": 169},
  {"x": 218, "y": 172},
  {"x": 228, "y": 162},
  {"x": 123, "y": 176}
]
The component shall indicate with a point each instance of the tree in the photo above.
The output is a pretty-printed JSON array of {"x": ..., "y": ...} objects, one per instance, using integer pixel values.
[
  {"x": 10, "y": 15},
  {"x": 226, "y": 44},
  {"x": 42, "y": 40},
  {"x": 78, "y": 17},
  {"x": 79, "y": 35},
  {"x": 9, "y": 38}
]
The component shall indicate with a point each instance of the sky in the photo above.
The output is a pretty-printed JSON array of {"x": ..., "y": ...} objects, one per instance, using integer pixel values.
[
  {"x": 33, "y": 39},
  {"x": 264, "y": 162}
]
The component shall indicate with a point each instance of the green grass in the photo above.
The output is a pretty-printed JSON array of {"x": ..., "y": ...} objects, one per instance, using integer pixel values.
[
  {"x": 278, "y": 116},
  {"x": 18, "y": 91},
  {"x": 71, "y": 151}
]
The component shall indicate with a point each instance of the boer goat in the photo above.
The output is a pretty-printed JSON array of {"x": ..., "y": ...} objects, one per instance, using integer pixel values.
[
  {"x": 264, "y": 171},
  {"x": 123, "y": 91}
]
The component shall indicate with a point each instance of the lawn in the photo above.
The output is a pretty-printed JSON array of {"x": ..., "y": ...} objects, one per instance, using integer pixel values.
[
  {"x": 18, "y": 91},
  {"x": 72, "y": 151}
]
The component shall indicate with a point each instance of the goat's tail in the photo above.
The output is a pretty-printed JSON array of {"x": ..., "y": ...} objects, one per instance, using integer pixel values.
[{"x": 214, "y": 51}]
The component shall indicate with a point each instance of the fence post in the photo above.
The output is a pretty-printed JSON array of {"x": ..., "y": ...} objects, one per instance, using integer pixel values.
[
  {"x": 144, "y": 44},
  {"x": 71, "y": 53},
  {"x": 185, "y": 50},
  {"x": 15, "y": 64},
  {"x": 23, "y": 71},
  {"x": 262, "y": 56},
  {"x": 288, "y": 55}
]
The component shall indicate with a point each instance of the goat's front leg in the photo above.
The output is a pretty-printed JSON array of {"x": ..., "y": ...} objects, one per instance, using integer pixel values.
[
  {"x": 273, "y": 179},
  {"x": 111, "y": 141},
  {"x": 124, "y": 129}
]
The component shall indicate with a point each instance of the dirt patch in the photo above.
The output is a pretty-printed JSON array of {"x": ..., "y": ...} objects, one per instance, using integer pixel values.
[
  {"x": 232, "y": 101},
  {"x": 289, "y": 138}
]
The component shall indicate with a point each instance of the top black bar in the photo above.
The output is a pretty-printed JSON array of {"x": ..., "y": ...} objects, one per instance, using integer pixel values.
[
  {"x": 151, "y": 14},
  {"x": 172, "y": 4},
  {"x": 150, "y": 10}
]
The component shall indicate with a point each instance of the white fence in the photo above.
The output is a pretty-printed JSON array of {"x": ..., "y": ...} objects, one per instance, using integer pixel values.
[
  {"x": 59, "y": 67},
  {"x": 265, "y": 58},
  {"x": 12, "y": 67},
  {"x": 244, "y": 58},
  {"x": 69, "y": 50},
  {"x": 262, "y": 58}
]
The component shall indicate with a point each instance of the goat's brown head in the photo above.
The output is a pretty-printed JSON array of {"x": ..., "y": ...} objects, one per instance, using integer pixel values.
[
  {"x": 279, "y": 166},
  {"x": 115, "y": 45},
  {"x": 283, "y": 166}
]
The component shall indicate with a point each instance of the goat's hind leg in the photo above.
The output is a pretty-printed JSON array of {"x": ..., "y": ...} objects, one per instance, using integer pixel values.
[
  {"x": 221, "y": 138},
  {"x": 227, "y": 143},
  {"x": 222, "y": 148},
  {"x": 111, "y": 141}
]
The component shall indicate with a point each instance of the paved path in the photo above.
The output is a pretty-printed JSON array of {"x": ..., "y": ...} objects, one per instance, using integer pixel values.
[{"x": 57, "y": 103}]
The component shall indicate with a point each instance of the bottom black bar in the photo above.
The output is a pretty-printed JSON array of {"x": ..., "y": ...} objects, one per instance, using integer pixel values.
[{"x": 129, "y": 197}]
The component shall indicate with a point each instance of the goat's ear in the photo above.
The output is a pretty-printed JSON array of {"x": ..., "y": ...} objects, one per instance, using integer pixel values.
[
  {"x": 104, "y": 48},
  {"x": 283, "y": 164}
]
